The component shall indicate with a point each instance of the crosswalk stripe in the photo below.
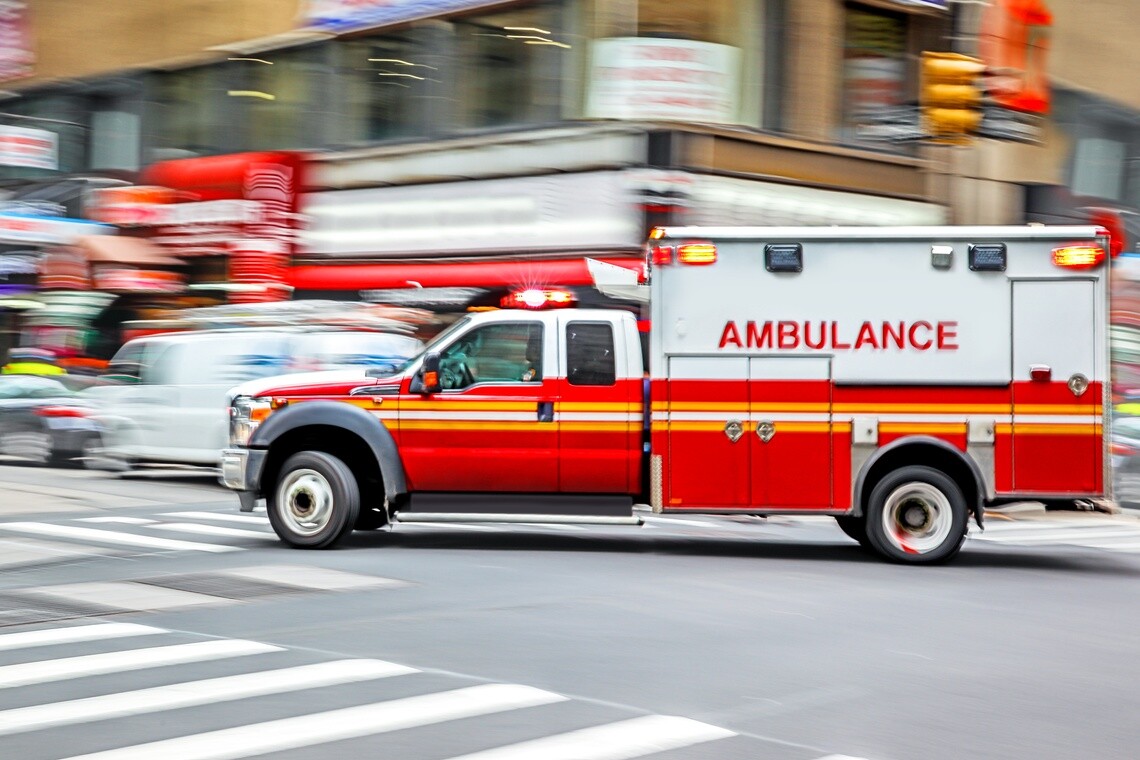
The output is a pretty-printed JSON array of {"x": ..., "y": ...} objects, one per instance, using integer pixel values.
[
  {"x": 121, "y": 519},
  {"x": 43, "y": 671},
  {"x": 615, "y": 741},
  {"x": 248, "y": 519},
  {"x": 336, "y": 725},
  {"x": 74, "y": 634},
  {"x": 1058, "y": 537},
  {"x": 111, "y": 537},
  {"x": 214, "y": 530},
  {"x": 189, "y": 694}
]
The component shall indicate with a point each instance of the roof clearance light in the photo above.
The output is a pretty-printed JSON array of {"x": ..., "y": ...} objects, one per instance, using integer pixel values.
[
  {"x": 533, "y": 298},
  {"x": 657, "y": 233},
  {"x": 784, "y": 257},
  {"x": 661, "y": 255},
  {"x": 696, "y": 253},
  {"x": 1078, "y": 256}
]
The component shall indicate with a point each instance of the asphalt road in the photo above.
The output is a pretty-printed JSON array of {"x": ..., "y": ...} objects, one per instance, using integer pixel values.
[{"x": 699, "y": 637}]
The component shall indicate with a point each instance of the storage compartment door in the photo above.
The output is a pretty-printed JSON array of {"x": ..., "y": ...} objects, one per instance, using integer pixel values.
[{"x": 709, "y": 441}]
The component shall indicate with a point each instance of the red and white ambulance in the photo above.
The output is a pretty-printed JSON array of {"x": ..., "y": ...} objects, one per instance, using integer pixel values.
[{"x": 899, "y": 379}]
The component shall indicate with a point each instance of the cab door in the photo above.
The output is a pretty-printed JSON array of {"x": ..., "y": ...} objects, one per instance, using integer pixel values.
[{"x": 491, "y": 428}]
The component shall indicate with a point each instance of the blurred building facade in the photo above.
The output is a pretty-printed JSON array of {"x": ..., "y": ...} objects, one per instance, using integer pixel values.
[{"x": 467, "y": 142}]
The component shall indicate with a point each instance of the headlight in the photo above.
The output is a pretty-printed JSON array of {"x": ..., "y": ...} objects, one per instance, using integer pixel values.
[{"x": 245, "y": 415}]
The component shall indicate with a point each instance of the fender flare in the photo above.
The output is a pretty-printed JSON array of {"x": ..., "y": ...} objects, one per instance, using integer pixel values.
[
  {"x": 979, "y": 483},
  {"x": 351, "y": 418}
]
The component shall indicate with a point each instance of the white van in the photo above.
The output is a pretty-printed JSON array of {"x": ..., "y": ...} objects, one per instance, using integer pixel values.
[{"x": 173, "y": 407}]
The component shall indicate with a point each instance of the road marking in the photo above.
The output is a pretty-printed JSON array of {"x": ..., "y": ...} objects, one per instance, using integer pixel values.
[
  {"x": 616, "y": 741},
  {"x": 110, "y": 537},
  {"x": 117, "y": 519},
  {"x": 192, "y": 693},
  {"x": 1059, "y": 536},
  {"x": 248, "y": 519},
  {"x": 128, "y": 595},
  {"x": 134, "y": 659},
  {"x": 214, "y": 530},
  {"x": 73, "y": 634},
  {"x": 319, "y": 578},
  {"x": 336, "y": 725},
  {"x": 682, "y": 521}
]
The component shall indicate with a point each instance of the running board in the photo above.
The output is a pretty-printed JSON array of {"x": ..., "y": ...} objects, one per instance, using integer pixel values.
[{"x": 458, "y": 517}]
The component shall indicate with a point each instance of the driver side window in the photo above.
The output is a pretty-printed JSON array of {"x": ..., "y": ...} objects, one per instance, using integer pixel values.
[{"x": 493, "y": 354}]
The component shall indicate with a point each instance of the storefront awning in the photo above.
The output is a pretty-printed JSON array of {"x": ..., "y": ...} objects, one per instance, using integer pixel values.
[
  {"x": 116, "y": 249},
  {"x": 477, "y": 274}
]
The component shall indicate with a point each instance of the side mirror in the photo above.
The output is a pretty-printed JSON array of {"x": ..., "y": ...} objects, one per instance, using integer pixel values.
[{"x": 430, "y": 374}]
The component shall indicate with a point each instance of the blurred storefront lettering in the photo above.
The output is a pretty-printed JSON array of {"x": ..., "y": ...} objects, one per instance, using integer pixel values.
[
  {"x": 35, "y": 148},
  {"x": 16, "y": 228},
  {"x": 674, "y": 80},
  {"x": 347, "y": 15},
  {"x": 16, "y": 52},
  {"x": 129, "y": 280}
]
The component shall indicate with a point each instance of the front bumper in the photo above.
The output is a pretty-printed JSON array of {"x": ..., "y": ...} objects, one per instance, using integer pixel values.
[{"x": 241, "y": 471}]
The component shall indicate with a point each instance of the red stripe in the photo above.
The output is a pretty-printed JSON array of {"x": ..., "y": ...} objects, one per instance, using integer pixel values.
[{"x": 514, "y": 274}]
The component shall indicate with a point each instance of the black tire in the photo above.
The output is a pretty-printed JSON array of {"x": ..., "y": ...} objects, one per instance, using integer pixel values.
[
  {"x": 315, "y": 501},
  {"x": 854, "y": 528},
  {"x": 916, "y": 515}
]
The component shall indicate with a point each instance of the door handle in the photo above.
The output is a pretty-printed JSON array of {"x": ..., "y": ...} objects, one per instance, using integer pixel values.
[{"x": 546, "y": 411}]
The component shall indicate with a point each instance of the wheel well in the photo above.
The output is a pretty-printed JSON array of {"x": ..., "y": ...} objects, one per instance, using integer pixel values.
[
  {"x": 343, "y": 444},
  {"x": 950, "y": 462}
]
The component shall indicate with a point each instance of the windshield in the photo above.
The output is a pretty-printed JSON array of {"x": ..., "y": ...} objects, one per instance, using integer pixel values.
[{"x": 432, "y": 345}]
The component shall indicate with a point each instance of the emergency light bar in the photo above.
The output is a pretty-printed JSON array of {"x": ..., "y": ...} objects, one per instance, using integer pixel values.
[{"x": 534, "y": 298}]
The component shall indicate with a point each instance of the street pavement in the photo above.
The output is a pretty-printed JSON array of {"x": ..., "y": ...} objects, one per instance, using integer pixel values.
[{"x": 146, "y": 617}]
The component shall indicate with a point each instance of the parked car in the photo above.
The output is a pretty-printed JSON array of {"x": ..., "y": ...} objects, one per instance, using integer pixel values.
[
  {"x": 1125, "y": 447},
  {"x": 45, "y": 420},
  {"x": 172, "y": 406}
]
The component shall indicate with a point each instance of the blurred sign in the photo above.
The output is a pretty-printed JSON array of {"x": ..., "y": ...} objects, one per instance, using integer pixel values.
[
  {"x": 1013, "y": 42},
  {"x": 346, "y": 15},
  {"x": 674, "y": 80},
  {"x": 34, "y": 148},
  {"x": 1013, "y": 126},
  {"x": 38, "y": 229},
  {"x": 586, "y": 211},
  {"x": 874, "y": 64},
  {"x": 16, "y": 55},
  {"x": 899, "y": 124},
  {"x": 127, "y": 280}
]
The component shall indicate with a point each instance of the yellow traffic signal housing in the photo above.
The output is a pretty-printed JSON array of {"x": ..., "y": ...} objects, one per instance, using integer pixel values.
[{"x": 950, "y": 93}]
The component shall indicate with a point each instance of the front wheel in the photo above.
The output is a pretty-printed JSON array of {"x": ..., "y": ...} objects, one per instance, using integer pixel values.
[
  {"x": 916, "y": 515},
  {"x": 316, "y": 501}
]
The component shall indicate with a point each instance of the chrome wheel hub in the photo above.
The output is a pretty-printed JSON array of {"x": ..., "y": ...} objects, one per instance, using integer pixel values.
[
  {"x": 305, "y": 501},
  {"x": 917, "y": 518}
]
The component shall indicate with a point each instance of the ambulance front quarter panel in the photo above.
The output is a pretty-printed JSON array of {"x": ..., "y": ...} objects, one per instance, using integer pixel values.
[{"x": 781, "y": 390}]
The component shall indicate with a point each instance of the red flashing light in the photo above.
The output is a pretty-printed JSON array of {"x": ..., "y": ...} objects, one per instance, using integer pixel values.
[
  {"x": 61, "y": 411},
  {"x": 1078, "y": 256},
  {"x": 1109, "y": 224},
  {"x": 534, "y": 298},
  {"x": 696, "y": 253}
]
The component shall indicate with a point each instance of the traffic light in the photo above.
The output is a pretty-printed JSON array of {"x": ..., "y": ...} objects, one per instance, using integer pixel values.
[{"x": 950, "y": 93}]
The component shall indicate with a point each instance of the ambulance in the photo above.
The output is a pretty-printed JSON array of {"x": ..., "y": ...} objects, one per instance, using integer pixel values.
[{"x": 901, "y": 380}]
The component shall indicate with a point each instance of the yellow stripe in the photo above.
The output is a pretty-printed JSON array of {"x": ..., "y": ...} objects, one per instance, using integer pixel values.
[
  {"x": 702, "y": 407},
  {"x": 468, "y": 406},
  {"x": 1056, "y": 409},
  {"x": 605, "y": 406},
  {"x": 924, "y": 408},
  {"x": 479, "y": 425},
  {"x": 1084, "y": 429}
]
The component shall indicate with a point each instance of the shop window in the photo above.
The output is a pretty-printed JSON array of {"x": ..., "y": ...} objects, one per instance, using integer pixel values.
[
  {"x": 188, "y": 116},
  {"x": 875, "y": 84},
  {"x": 386, "y": 85},
  {"x": 509, "y": 67},
  {"x": 280, "y": 94}
]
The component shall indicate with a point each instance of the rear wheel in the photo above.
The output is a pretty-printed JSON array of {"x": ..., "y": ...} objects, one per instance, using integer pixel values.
[
  {"x": 916, "y": 515},
  {"x": 316, "y": 501}
]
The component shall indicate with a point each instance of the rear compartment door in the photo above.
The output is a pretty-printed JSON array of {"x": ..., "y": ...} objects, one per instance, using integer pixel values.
[
  {"x": 790, "y": 422},
  {"x": 1056, "y": 432},
  {"x": 710, "y": 445}
]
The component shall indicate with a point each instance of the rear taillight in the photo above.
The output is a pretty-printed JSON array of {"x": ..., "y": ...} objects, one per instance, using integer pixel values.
[
  {"x": 661, "y": 255},
  {"x": 696, "y": 253},
  {"x": 1078, "y": 256},
  {"x": 61, "y": 411},
  {"x": 1121, "y": 450}
]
